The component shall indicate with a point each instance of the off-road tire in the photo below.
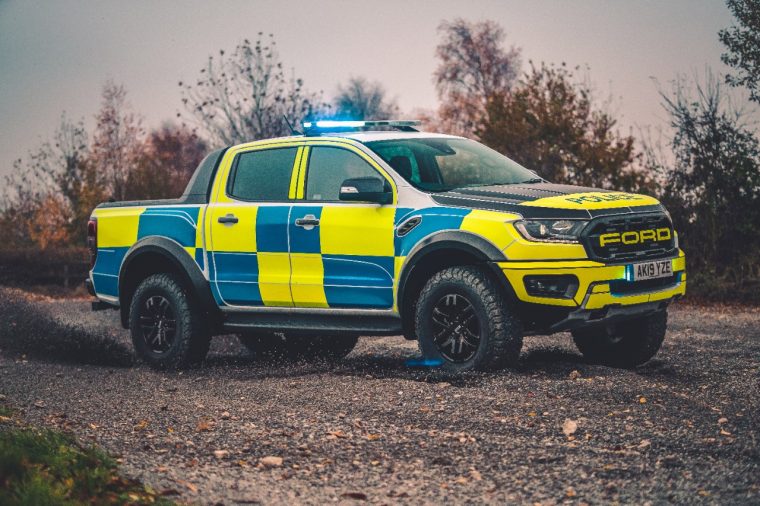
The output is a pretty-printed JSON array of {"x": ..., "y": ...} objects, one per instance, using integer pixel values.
[
  {"x": 191, "y": 338},
  {"x": 628, "y": 344},
  {"x": 500, "y": 331}
]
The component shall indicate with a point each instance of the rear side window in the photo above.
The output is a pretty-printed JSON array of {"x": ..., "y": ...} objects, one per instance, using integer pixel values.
[
  {"x": 329, "y": 167},
  {"x": 262, "y": 175}
]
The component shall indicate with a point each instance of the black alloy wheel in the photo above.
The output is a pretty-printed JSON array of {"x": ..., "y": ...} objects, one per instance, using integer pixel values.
[
  {"x": 167, "y": 324},
  {"x": 463, "y": 321},
  {"x": 456, "y": 329},
  {"x": 158, "y": 323}
]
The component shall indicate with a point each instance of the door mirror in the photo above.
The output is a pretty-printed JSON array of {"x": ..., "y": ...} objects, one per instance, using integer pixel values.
[{"x": 366, "y": 189}]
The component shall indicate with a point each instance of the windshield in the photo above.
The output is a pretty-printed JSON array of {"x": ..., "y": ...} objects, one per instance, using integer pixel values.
[{"x": 442, "y": 164}]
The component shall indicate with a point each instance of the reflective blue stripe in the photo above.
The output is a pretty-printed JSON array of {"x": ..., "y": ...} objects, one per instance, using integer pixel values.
[
  {"x": 358, "y": 281},
  {"x": 302, "y": 240},
  {"x": 433, "y": 220},
  {"x": 237, "y": 278},
  {"x": 272, "y": 229},
  {"x": 105, "y": 274},
  {"x": 172, "y": 222}
]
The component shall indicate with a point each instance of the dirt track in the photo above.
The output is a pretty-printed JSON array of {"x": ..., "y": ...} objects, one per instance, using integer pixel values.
[{"x": 683, "y": 428}]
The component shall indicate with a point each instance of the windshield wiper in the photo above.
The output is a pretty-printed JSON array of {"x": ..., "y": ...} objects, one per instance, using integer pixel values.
[{"x": 533, "y": 181}]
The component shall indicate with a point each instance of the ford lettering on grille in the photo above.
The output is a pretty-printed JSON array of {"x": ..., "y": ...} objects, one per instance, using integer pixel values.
[{"x": 631, "y": 237}]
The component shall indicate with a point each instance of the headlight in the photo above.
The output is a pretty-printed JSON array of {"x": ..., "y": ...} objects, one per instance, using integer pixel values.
[{"x": 551, "y": 230}]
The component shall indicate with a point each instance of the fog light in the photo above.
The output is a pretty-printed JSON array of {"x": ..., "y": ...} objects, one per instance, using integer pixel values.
[{"x": 561, "y": 286}]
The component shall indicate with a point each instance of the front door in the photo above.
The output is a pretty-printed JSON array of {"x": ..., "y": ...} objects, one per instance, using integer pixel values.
[
  {"x": 249, "y": 260},
  {"x": 342, "y": 253}
]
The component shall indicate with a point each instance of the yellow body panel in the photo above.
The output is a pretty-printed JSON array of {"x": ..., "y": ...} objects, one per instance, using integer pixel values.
[
  {"x": 308, "y": 280},
  {"x": 591, "y": 282},
  {"x": 117, "y": 227},
  {"x": 398, "y": 265},
  {"x": 239, "y": 238},
  {"x": 274, "y": 279},
  {"x": 491, "y": 225},
  {"x": 365, "y": 230}
]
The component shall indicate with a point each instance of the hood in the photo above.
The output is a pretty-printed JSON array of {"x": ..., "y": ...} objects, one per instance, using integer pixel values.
[{"x": 548, "y": 200}]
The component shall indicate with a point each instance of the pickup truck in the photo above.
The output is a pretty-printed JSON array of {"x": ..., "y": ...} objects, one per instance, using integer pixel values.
[{"x": 302, "y": 244}]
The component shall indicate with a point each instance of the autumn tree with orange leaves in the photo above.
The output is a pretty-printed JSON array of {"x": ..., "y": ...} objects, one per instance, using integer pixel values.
[{"x": 52, "y": 191}]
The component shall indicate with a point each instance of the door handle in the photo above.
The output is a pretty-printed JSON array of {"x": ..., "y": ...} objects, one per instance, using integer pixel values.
[
  {"x": 229, "y": 218},
  {"x": 307, "y": 222}
]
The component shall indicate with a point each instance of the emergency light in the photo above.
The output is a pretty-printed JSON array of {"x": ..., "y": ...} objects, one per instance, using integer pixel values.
[{"x": 322, "y": 126}]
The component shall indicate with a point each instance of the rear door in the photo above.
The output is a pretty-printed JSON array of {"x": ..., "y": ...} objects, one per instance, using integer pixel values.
[
  {"x": 342, "y": 253},
  {"x": 248, "y": 223}
]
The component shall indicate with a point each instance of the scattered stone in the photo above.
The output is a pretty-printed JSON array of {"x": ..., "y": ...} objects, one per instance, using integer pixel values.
[
  {"x": 569, "y": 427},
  {"x": 271, "y": 461}
]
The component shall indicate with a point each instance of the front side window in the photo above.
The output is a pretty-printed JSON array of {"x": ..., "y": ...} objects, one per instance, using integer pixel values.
[
  {"x": 329, "y": 167},
  {"x": 262, "y": 175},
  {"x": 442, "y": 164}
]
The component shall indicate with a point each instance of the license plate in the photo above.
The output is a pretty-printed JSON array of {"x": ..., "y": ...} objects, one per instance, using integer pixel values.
[{"x": 652, "y": 270}]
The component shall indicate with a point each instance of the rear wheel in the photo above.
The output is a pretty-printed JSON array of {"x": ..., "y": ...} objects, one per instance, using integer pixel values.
[
  {"x": 463, "y": 321},
  {"x": 166, "y": 329},
  {"x": 628, "y": 344}
]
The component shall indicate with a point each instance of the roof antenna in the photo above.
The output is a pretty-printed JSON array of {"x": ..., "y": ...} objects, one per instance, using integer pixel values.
[{"x": 293, "y": 131}]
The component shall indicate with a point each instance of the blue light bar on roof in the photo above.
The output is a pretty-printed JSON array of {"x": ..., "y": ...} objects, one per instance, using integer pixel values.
[
  {"x": 334, "y": 124},
  {"x": 316, "y": 127}
]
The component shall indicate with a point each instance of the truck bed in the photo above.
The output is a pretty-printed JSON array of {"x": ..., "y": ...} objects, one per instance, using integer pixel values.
[{"x": 197, "y": 191}]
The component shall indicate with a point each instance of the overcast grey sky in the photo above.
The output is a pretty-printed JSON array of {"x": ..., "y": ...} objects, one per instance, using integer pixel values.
[{"x": 55, "y": 55}]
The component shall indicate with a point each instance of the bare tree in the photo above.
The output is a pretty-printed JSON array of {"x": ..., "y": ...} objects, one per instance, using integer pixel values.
[
  {"x": 743, "y": 44},
  {"x": 246, "y": 96},
  {"x": 711, "y": 186},
  {"x": 361, "y": 99},
  {"x": 473, "y": 68},
  {"x": 117, "y": 140}
]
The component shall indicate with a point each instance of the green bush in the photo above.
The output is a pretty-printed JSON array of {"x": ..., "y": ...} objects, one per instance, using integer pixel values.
[{"x": 45, "y": 467}]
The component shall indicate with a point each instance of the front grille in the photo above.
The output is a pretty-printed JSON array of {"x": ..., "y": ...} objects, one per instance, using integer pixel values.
[
  {"x": 623, "y": 287},
  {"x": 620, "y": 252}
]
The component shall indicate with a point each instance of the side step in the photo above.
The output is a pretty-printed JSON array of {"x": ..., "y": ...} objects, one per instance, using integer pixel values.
[{"x": 364, "y": 324}]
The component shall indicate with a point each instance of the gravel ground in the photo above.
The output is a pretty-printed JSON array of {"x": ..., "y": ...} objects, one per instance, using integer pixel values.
[{"x": 683, "y": 428}]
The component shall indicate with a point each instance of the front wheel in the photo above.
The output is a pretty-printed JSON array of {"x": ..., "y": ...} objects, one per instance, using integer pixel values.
[
  {"x": 628, "y": 344},
  {"x": 464, "y": 322},
  {"x": 167, "y": 330}
]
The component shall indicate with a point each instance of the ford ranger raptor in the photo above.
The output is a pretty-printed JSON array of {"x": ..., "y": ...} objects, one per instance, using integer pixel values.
[{"x": 301, "y": 244}]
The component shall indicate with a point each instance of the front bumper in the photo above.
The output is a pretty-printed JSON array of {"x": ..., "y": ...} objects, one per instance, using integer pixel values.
[{"x": 599, "y": 285}]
